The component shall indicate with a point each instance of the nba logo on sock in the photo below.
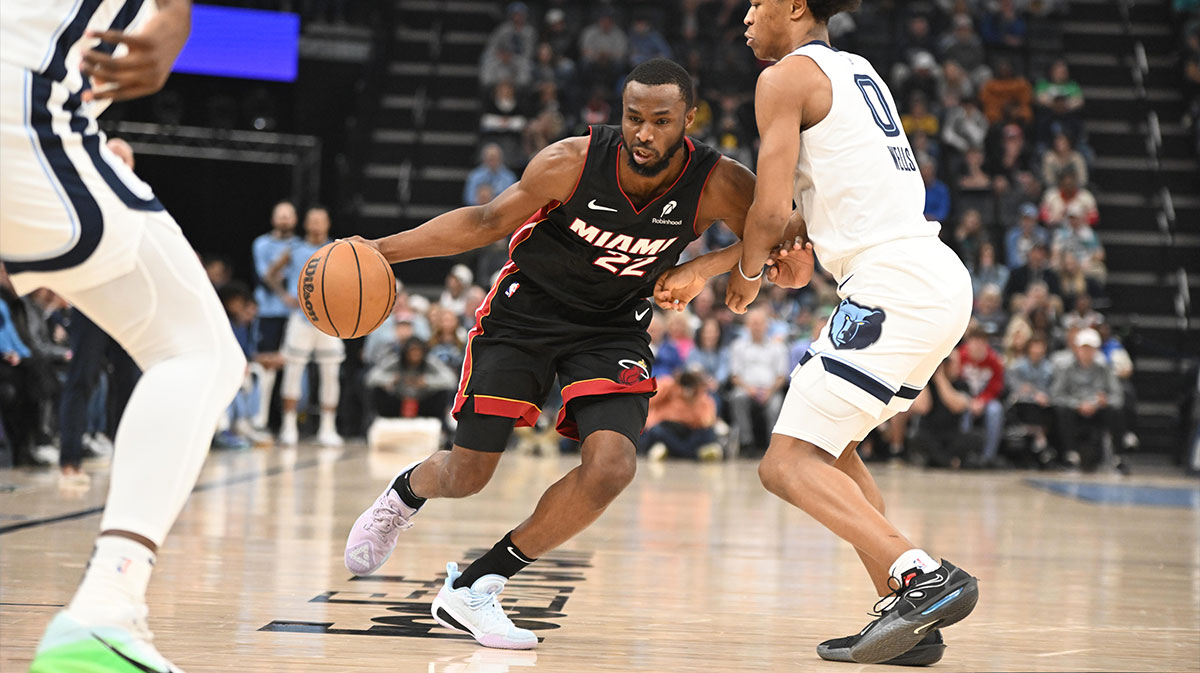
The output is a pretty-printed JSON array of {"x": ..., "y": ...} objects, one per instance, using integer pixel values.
[{"x": 512, "y": 289}]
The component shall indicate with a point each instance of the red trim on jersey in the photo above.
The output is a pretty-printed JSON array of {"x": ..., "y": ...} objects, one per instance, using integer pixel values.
[
  {"x": 482, "y": 312},
  {"x": 566, "y": 427},
  {"x": 526, "y": 413},
  {"x": 700, "y": 201},
  {"x": 691, "y": 152}
]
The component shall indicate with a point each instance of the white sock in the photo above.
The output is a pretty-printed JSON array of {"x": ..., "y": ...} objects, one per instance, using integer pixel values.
[
  {"x": 114, "y": 582},
  {"x": 289, "y": 423},
  {"x": 913, "y": 558},
  {"x": 328, "y": 422}
]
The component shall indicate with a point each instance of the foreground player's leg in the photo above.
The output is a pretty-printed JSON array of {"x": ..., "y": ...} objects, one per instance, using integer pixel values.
[{"x": 168, "y": 318}]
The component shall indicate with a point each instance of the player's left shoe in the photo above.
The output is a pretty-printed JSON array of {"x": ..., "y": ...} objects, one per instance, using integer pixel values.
[
  {"x": 476, "y": 610},
  {"x": 924, "y": 601},
  {"x": 925, "y": 653},
  {"x": 69, "y": 646}
]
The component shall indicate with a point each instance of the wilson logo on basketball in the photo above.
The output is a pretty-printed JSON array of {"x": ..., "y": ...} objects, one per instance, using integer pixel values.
[{"x": 307, "y": 286}]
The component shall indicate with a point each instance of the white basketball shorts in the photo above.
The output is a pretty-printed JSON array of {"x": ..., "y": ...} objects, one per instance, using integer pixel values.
[
  {"x": 904, "y": 307},
  {"x": 302, "y": 342},
  {"x": 69, "y": 208}
]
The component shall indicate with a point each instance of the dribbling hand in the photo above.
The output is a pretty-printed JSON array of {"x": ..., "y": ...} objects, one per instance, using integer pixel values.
[{"x": 741, "y": 292}]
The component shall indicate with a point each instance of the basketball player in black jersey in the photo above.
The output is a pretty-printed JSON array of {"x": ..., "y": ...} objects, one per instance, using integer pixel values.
[{"x": 594, "y": 222}]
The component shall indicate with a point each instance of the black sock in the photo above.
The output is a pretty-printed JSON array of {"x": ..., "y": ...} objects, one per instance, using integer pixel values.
[
  {"x": 404, "y": 490},
  {"x": 503, "y": 559}
]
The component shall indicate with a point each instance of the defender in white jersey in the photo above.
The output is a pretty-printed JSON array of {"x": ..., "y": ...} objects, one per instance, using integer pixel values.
[
  {"x": 75, "y": 219},
  {"x": 831, "y": 140}
]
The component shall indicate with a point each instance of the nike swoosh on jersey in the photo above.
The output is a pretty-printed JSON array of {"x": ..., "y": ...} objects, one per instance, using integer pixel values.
[
  {"x": 641, "y": 314},
  {"x": 592, "y": 204},
  {"x": 133, "y": 662}
]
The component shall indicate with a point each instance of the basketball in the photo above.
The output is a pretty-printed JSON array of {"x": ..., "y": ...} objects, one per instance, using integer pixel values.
[{"x": 346, "y": 289}]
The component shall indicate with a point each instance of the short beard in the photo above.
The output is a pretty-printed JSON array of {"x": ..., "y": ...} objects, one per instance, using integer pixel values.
[{"x": 651, "y": 170}]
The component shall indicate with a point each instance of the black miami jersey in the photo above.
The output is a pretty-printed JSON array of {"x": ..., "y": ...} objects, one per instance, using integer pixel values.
[{"x": 599, "y": 252}]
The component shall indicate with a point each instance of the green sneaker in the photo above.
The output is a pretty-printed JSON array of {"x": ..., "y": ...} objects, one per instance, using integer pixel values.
[{"x": 71, "y": 647}]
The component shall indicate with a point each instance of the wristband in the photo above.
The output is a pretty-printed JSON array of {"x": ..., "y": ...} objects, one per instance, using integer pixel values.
[{"x": 760, "y": 273}]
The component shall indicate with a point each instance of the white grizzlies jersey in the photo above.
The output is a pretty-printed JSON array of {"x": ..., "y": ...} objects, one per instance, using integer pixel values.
[{"x": 857, "y": 182}]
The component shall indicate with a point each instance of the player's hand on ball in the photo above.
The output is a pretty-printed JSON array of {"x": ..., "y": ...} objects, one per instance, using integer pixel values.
[
  {"x": 741, "y": 292},
  {"x": 364, "y": 241},
  {"x": 791, "y": 265},
  {"x": 677, "y": 287}
]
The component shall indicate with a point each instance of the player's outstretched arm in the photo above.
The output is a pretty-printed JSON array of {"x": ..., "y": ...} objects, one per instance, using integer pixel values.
[
  {"x": 550, "y": 176},
  {"x": 778, "y": 104},
  {"x": 727, "y": 198},
  {"x": 152, "y": 50}
]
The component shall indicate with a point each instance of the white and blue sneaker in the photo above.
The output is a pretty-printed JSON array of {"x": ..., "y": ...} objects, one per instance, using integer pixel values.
[
  {"x": 476, "y": 610},
  {"x": 70, "y": 646}
]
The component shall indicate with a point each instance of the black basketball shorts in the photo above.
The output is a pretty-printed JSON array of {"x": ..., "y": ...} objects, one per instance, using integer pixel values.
[{"x": 523, "y": 338}]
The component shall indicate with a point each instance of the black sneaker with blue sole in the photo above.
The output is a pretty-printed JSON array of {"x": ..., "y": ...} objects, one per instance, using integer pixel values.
[
  {"x": 927, "y": 652},
  {"x": 926, "y": 601}
]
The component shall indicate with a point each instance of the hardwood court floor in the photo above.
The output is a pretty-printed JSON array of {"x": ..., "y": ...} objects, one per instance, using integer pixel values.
[{"x": 694, "y": 568}]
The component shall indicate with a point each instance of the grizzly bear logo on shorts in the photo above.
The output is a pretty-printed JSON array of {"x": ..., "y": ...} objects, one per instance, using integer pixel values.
[{"x": 855, "y": 327}]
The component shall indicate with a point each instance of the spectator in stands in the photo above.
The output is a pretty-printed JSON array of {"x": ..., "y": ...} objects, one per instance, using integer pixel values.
[
  {"x": 408, "y": 382},
  {"x": 273, "y": 299},
  {"x": 1003, "y": 28},
  {"x": 676, "y": 346},
  {"x": 962, "y": 46},
  {"x": 973, "y": 179},
  {"x": 968, "y": 237},
  {"x": 1029, "y": 381},
  {"x": 965, "y": 126},
  {"x": 758, "y": 374},
  {"x": 18, "y": 389},
  {"x": 1086, "y": 393},
  {"x": 1074, "y": 282},
  {"x": 682, "y": 420},
  {"x": 956, "y": 86},
  {"x": 242, "y": 312},
  {"x": 1011, "y": 195},
  {"x": 454, "y": 295},
  {"x": 1063, "y": 157},
  {"x": 939, "y": 440},
  {"x": 557, "y": 31},
  {"x": 1036, "y": 269},
  {"x": 504, "y": 119},
  {"x": 596, "y": 110},
  {"x": 502, "y": 65},
  {"x": 1007, "y": 95},
  {"x": 646, "y": 43},
  {"x": 1022, "y": 236},
  {"x": 603, "y": 49},
  {"x": 1059, "y": 85},
  {"x": 1077, "y": 238},
  {"x": 709, "y": 356},
  {"x": 553, "y": 67},
  {"x": 916, "y": 38},
  {"x": 446, "y": 343},
  {"x": 1056, "y": 202},
  {"x": 984, "y": 374},
  {"x": 515, "y": 35},
  {"x": 548, "y": 125},
  {"x": 218, "y": 269},
  {"x": 1082, "y": 315},
  {"x": 919, "y": 116},
  {"x": 937, "y": 194},
  {"x": 989, "y": 313},
  {"x": 1121, "y": 363},
  {"x": 924, "y": 77},
  {"x": 988, "y": 271},
  {"x": 492, "y": 173},
  {"x": 1010, "y": 154}
]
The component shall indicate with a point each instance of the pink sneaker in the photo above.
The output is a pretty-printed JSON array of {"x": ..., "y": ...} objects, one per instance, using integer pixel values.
[{"x": 374, "y": 534}]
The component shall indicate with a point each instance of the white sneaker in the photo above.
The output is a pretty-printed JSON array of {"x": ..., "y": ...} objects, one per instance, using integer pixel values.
[
  {"x": 373, "y": 537},
  {"x": 46, "y": 454},
  {"x": 289, "y": 436},
  {"x": 476, "y": 610},
  {"x": 257, "y": 437},
  {"x": 331, "y": 439},
  {"x": 97, "y": 445},
  {"x": 70, "y": 646},
  {"x": 657, "y": 452}
]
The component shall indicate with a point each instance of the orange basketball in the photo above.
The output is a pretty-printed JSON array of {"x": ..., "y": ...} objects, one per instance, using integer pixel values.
[{"x": 347, "y": 289}]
